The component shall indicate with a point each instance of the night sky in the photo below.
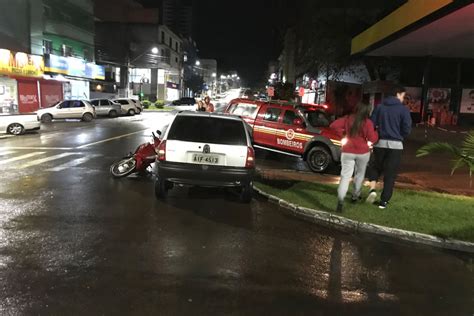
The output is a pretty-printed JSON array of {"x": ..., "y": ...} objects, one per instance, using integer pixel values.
[
  {"x": 239, "y": 35},
  {"x": 245, "y": 35}
]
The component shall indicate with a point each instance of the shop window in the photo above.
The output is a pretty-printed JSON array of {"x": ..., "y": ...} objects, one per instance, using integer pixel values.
[
  {"x": 67, "y": 50},
  {"x": 47, "y": 11},
  {"x": 87, "y": 54},
  {"x": 47, "y": 47}
]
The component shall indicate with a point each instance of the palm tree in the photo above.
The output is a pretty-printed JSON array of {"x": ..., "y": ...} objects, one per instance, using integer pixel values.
[{"x": 463, "y": 156}]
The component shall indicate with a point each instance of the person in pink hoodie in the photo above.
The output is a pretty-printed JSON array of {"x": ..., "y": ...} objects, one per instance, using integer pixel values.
[{"x": 359, "y": 134}]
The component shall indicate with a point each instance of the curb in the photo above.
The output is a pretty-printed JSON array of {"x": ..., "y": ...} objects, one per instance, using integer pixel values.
[{"x": 348, "y": 225}]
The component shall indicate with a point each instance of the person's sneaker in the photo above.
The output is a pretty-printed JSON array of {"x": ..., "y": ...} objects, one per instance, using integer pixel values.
[
  {"x": 372, "y": 196},
  {"x": 383, "y": 205},
  {"x": 339, "y": 207},
  {"x": 355, "y": 199}
]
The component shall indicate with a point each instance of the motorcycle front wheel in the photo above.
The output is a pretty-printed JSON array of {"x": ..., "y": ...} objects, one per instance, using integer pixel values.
[{"x": 123, "y": 167}]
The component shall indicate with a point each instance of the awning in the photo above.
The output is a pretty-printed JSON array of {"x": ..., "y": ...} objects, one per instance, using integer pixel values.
[{"x": 441, "y": 28}]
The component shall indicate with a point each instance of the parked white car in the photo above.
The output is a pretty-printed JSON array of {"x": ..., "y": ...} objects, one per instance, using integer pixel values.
[
  {"x": 67, "y": 109},
  {"x": 138, "y": 104},
  {"x": 208, "y": 150},
  {"x": 105, "y": 107},
  {"x": 129, "y": 107},
  {"x": 18, "y": 124}
]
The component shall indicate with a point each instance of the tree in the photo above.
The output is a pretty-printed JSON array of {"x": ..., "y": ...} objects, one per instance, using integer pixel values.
[
  {"x": 463, "y": 156},
  {"x": 194, "y": 82}
]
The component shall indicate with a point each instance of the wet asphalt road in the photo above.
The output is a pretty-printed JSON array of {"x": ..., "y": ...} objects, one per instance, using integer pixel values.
[{"x": 73, "y": 240}]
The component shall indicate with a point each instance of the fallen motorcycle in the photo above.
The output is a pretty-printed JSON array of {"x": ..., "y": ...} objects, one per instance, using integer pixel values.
[{"x": 138, "y": 161}]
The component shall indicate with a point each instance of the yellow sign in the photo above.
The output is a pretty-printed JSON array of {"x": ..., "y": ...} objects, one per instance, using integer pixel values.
[
  {"x": 409, "y": 13},
  {"x": 21, "y": 64}
]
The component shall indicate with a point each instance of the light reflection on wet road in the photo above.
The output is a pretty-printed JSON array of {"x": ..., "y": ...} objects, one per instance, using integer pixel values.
[{"x": 79, "y": 242}]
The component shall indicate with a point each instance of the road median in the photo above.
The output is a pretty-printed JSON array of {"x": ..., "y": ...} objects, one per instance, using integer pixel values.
[{"x": 434, "y": 219}]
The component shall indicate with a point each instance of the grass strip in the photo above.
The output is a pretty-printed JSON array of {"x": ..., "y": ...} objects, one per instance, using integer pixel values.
[{"x": 442, "y": 215}]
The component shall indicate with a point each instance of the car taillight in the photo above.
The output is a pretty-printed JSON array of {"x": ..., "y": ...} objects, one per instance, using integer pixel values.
[
  {"x": 250, "y": 161},
  {"x": 161, "y": 151}
]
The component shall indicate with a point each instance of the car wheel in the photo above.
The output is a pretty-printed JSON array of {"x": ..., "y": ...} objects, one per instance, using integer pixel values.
[
  {"x": 131, "y": 112},
  {"x": 15, "y": 129},
  {"x": 46, "y": 118},
  {"x": 318, "y": 159},
  {"x": 113, "y": 113},
  {"x": 161, "y": 189},
  {"x": 87, "y": 117},
  {"x": 246, "y": 193}
]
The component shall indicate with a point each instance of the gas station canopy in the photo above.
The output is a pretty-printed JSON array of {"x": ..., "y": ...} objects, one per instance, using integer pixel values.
[{"x": 440, "y": 28}]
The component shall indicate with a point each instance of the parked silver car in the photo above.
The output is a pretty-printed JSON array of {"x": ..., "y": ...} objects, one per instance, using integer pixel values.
[
  {"x": 67, "y": 109},
  {"x": 105, "y": 107}
]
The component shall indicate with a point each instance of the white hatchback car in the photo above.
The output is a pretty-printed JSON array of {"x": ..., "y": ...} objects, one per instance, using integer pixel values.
[
  {"x": 67, "y": 109},
  {"x": 18, "y": 124},
  {"x": 129, "y": 106},
  {"x": 206, "y": 149}
]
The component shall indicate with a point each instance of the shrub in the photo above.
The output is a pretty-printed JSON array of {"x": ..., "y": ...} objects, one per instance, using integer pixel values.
[
  {"x": 146, "y": 104},
  {"x": 159, "y": 104}
]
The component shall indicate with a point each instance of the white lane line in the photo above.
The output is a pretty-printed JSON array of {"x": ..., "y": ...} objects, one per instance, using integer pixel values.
[
  {"x": 112, "y": 138},
  {"x": 50, "y": 158},
  {"x": 8, "y": 152},
  {"x": 2, "y": 162},
  {"x": 73, "y": 163},
  {"x": 40, "y": 148}
]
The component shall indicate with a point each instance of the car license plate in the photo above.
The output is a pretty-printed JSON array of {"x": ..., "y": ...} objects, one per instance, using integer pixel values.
[{"x": 205, "y": 159}]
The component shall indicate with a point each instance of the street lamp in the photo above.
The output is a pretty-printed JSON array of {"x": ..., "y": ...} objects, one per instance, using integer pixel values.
[
  {"x": 198, "y": 63},
  {"x": 214, "y": 75},
  {"x": 154, "y": 50}
]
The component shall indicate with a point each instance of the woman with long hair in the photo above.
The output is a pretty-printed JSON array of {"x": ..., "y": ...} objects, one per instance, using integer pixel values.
[{"x": 358, "y": 134}]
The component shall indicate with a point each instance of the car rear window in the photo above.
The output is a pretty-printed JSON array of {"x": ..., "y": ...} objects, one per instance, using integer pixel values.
[{"x": 208, "y": 130}]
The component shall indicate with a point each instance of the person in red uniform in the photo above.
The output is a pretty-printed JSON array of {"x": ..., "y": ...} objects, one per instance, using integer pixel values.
[{"x": 359, "y": 134}]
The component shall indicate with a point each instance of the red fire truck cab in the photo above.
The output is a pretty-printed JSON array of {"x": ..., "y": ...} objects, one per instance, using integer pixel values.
[{"x": 300, "y": 130}]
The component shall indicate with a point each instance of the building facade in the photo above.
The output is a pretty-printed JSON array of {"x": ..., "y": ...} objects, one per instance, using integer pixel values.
[{"x": 47, "y": 53}]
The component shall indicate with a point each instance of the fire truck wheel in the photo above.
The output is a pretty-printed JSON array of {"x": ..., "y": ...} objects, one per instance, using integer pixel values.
[{"x": 318, "y": 159}]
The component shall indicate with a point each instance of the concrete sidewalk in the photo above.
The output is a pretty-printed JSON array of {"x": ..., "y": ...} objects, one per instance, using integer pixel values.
[{"x": 430, "y": 173}]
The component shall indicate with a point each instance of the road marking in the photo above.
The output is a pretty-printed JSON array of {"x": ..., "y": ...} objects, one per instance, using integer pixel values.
[
  {"x": 50, "y": 158},
  {"x": 112, "y": 138},
  {"x": 2, "y": 162},
  {"x": 41, "y": 148},
  {"x": 4, "y": 153},
  {"x": 73, "y": 163}
]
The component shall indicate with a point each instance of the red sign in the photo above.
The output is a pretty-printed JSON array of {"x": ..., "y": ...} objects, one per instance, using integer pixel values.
[
  {"x": 51, "y": 92},
  {"x": 28, "y": 100},
  {"x": 271, "y": 91}
]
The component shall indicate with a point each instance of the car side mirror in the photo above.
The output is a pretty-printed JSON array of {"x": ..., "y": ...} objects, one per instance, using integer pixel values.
[
  {"x": 158, "y": 132},
  {"x": 298, "y": 122}
]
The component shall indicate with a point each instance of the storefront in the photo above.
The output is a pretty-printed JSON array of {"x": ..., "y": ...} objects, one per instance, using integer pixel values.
[
  {"x": 75, "y": 73},
  {"x": 20, "y": 81},
  {"x": 432, "y": 44}
]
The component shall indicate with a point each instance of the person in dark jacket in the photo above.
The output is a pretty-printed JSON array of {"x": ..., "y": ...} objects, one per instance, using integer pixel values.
[{"x": 393, "y": 123}]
